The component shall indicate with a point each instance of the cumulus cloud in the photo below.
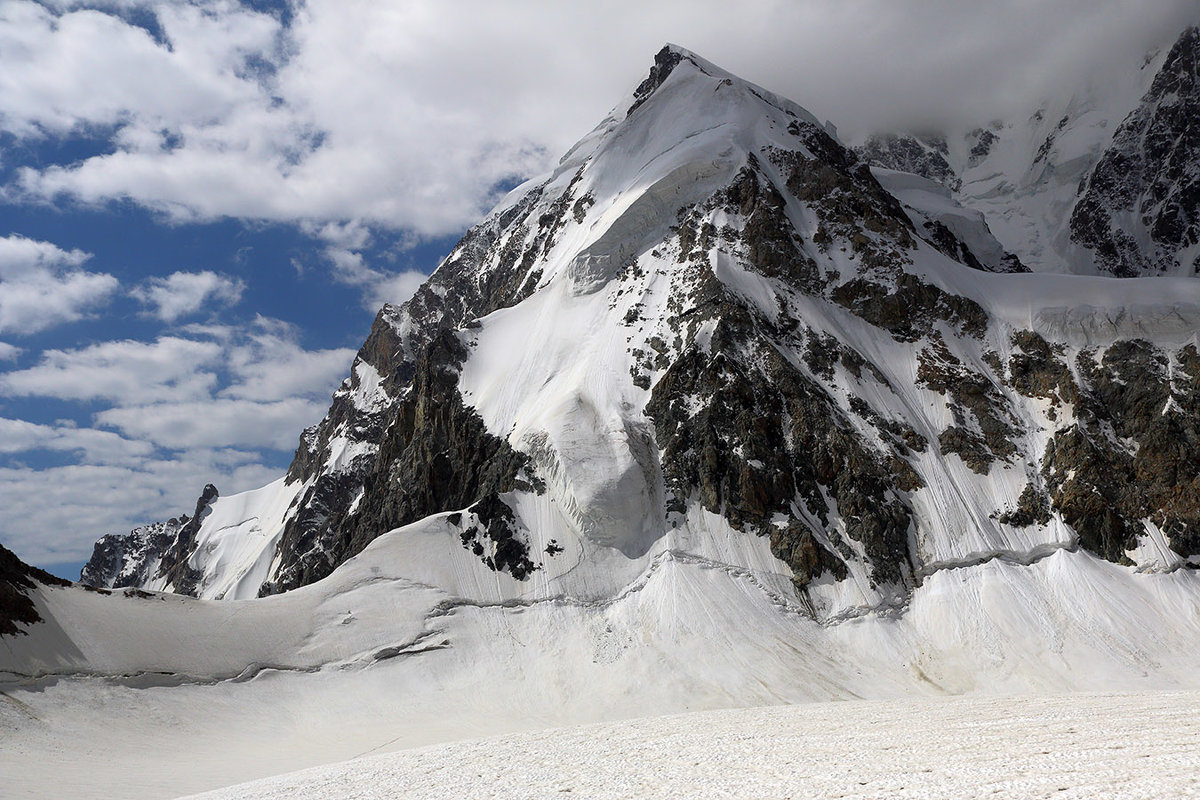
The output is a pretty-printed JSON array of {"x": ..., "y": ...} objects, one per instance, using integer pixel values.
[
  {"x": 410, "y": 116},
  {"x": 85, "y": 67},
  {"x": 94, "y": 446},
  {"x": 185, "y": 293},
  {"x": 394, "y": 288},
  {"x": 270, "y": 364},
  {"x": 53, "y": 515},
  {"x": 217, "y": 423},
  {"x": 42, "y": 285},
  {"x": 9, "y": 352},
  {"x": 170, "y": 368},
  {"x": 345, "y": 243},
  {"x": 263, "y": 362}
]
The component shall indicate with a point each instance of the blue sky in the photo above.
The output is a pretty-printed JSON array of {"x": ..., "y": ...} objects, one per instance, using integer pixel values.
[{"x": 204, "y": 202}]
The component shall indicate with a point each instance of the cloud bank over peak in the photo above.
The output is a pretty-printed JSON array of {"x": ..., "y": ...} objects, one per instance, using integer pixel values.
[{"x": 411, "y": 117}]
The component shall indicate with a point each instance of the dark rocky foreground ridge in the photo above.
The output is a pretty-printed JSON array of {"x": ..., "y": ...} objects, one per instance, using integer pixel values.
[
  {"x": 16, "y": 580},
  {"x": 785, "y": 416}
]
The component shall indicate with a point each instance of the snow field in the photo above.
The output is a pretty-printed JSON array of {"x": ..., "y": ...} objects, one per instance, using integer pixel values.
[{"x": 1085, "y": 746}]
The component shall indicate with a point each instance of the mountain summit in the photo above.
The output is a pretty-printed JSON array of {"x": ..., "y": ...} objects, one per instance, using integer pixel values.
[{"x": 713, "y": 326}]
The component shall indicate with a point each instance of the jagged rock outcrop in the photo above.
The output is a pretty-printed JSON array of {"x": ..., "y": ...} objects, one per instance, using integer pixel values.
[
  {"x": 175, "y": 566},
  {"x": 131, "y": 559},
  {"x": 926, "y": 156},
  {"x": 1140, "y": 208},
  {"x": 436, "y": 455}
]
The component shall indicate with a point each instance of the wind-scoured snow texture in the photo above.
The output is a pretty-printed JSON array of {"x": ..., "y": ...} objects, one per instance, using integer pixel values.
[
  {"x": 1082, "y": 746},
  {"x": 1140, "y": 211}
]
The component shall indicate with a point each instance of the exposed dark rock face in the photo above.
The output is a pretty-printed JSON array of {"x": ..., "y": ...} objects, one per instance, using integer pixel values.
[
  {"x": 664, "y": 61},
  {"x": 1033, "y": 508},
  {"x": 1134, "y": 451},
  {"x": 767, "y": 439},
  {"x": 768, "y": 447},
  {"x": 910, "y": 309},
  {"x": 131, "y": 559},
  {"x": 435, "y": 455},
  {"x": 16, "y": 579},
  {"x": 185, "y": 578},
  {"x": 921, "y": 155},
  {"x": 982, "y": 147},
  {"x": 987, "y": 434},
  {"x": 849, "y": 203},
  {"x": 771, "y": 241},
  {"x": 495, "y": 537},
  {"x": 1141, "y": 204},
  {"x": 1039, "y": 371}
]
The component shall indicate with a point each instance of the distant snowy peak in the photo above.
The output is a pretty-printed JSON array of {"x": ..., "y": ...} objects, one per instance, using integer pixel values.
[
  {"x": 131, "y": 559},
  {"x": 1140, "y": 208},
  {"x": 1102, "y": 181}
]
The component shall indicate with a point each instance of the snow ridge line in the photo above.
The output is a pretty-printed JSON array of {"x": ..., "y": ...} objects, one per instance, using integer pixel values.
[{"x": 449, "y": 606}]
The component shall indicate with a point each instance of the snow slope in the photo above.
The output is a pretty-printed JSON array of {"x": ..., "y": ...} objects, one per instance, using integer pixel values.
[
  {"x": 1079, "y": 746},
  {"x": 411, "y": 643}
]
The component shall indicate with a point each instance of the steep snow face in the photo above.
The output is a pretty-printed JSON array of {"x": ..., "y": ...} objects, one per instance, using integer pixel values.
[
  {"x": 236, "y": 542},
  {"x": 1100, "y": 181}
]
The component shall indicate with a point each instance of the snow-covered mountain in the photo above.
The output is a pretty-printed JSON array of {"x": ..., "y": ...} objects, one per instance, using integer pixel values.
[
  {"x": 714, "y": 314},
  {"x": 714, "y": 414},
  {"x": 1102, "y": 181}
]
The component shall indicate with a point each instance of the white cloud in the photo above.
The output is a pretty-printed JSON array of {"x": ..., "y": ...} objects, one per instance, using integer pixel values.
[
  {"x": 9, "y": 352},
  {"x": 52, "y": 516},
  {"x": 345, "y": 243},
  {"x": 270, "y": 364},
  {"x": 184, "y": 293},
  {"x": 170, "y": 368},
  {"x": 42, "y": 285},
  {"x": 86, "y": 67},
  {"x": 262, "y": 363},
  {"x": 21, "y": 257},
  {"x": 95, "y": 446},
  {"x": 394, "y": 288},
  {"x": 217, "y": 423},
  {"x": 407, "y": 116}
]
